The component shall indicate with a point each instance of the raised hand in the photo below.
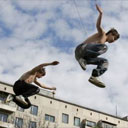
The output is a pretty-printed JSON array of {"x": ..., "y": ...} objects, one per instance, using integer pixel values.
[
  {"x": 55, "y": 62},
  {"x": 99, "y": 9}
]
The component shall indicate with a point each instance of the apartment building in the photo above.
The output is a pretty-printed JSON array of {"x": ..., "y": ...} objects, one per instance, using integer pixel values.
[{"x": 50, "y": 112}]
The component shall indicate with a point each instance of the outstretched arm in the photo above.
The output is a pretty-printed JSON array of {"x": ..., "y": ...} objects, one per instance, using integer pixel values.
[
  {"x": 98, "y": 24},
  {"x": 43, "y": 65},
  {"x": 43, "y": 86}
]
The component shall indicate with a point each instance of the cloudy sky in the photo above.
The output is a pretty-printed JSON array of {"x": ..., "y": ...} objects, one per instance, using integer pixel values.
[{"x": 35, "y": 32}]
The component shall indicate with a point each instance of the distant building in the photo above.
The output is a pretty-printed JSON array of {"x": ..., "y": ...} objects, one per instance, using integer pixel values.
[{"x": 49, "y": 112}]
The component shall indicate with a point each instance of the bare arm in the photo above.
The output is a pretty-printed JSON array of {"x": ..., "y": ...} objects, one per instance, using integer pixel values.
[
  {"x": 43, "y": 86},
  {"x": 43, "y": 65},
  {"x": 98, "y": 24}
]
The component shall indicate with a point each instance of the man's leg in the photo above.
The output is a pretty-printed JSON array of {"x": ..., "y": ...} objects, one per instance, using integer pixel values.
[
  {"x": 93, "y": 50},
  {"x": 91, "y": 53},
  {"x": 102, "y": 65},
  {"x": 22, "y": 104},
  {"x": 85, "y": 51},
  {"x": 31, "y": 90},
  {"x": 19, "y": 101},
  {"x": 79, "y": 56},
  {"x": 23, "y": 90},
  {"x": 82, "y": 63}
]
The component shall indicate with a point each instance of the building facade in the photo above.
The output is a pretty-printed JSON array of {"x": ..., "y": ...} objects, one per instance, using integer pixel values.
[{"x": 49, "y": 112}]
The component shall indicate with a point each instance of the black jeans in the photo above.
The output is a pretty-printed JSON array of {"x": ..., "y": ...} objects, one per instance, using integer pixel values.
[
  {"x": 22, "y": 88},
  {"x": 90, "y": 53}
]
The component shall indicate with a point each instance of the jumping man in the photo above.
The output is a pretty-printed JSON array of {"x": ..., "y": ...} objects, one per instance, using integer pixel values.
[
  {"x": 23, "y": 87},
  {"x": 87, "y": 52}
]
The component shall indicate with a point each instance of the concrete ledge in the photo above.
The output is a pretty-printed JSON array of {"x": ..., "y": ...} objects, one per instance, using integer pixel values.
[{"x": 6, "y": 125}]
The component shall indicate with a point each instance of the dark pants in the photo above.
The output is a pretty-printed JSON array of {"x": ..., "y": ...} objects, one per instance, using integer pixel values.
[
  {"x": 90, "y": 53},
  {"x": 26, "y": 90}
]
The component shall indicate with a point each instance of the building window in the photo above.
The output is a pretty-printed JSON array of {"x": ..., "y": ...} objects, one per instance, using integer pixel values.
[
  {"x": 65, "y": 118},
  {"x": 65, "y": 106},
  {"x": 105, "y": 125},
  {"x": 19, "y": 123},
  {"x": 34, "y": 110},
  {"x": 76, "y": 121},
  {"x": 3, "y": 117},
  {"x": 49, "y": 118},
  {"x": 3, "y": 96},
  {"x": 32, "y": 124},
  {"x": 90, "y": 124},
  {"x": 20, "y": 109}
]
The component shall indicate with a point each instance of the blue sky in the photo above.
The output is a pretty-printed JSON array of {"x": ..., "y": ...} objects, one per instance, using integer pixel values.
[{"x": 35, "y": 32}]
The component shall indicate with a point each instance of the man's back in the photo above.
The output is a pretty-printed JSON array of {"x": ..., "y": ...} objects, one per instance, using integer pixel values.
[{"x": 28, "y": 77}]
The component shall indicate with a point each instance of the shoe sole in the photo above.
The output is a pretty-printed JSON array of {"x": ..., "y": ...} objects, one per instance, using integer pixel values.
[{"x": 97, "y": 84}]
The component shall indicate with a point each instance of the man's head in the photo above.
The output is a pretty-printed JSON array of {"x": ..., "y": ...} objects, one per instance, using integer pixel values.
[
  {"x": 112, "y": 35},
  {"x": 41, "y": 73}
]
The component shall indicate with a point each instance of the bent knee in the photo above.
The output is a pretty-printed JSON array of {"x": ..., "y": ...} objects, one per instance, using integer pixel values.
[
  {"x": 103, "y": 48},
  {"x": 105, "y": 63},
  {"x": 37, "y": 90}
]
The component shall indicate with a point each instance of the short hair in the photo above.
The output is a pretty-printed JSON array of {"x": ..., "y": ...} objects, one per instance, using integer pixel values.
[
  {"x": 42, "y": 70},
  {"x": 114, "y": 33}
]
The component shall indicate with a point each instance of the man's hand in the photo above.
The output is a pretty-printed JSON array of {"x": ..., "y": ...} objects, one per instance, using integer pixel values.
[
  {"x": 53, "y": 88},
  {"x": 99, "y": 9},
  {"x": 55, "y": 63}
]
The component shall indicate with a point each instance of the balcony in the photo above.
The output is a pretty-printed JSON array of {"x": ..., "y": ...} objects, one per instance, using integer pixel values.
[
  {"x": 106, "y": 124},
  {"x": 10, "y": 108},
  {"x": 6, "y": 125}
]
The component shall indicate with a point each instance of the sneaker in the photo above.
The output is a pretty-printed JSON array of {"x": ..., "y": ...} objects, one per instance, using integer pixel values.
[
  {"x": 21, "y": 99},
  {"x": 95, "y": 81},
  {"x": 82, "y": 63},
  {"x": 9, "y": 98}
]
